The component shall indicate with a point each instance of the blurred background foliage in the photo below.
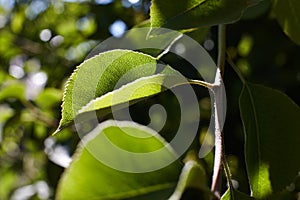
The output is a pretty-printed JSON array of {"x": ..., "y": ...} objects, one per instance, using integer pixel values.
[{"x": 41, "y": 42}]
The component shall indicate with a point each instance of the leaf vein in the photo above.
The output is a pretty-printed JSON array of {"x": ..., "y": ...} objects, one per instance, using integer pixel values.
[{"x": 256, "y": 127}]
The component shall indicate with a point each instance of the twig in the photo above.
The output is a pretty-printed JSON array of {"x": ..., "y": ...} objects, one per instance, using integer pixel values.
[
  {"x": 218, "y": 100},
  {"x": 221, "y": 47},
  {"x": 169, "y": 47},
  {"x": 218, "y": 116}
]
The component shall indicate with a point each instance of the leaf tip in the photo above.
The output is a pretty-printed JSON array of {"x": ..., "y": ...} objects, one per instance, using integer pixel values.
[{"x": 56, "y": 131}]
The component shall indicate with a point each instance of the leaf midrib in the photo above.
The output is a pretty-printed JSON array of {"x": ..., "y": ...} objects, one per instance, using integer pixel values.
[{"x": 257, "y": 129}]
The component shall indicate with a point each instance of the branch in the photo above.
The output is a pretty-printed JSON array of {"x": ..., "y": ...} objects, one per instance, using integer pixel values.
[
  {"x": 218, "y": 111},
  {"x": 221, "y": 47}
]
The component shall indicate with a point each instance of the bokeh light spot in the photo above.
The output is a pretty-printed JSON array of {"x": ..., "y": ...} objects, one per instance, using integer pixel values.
[
  {"x": 209, "y": 44},
  {"x": 245, "y": 45},
  {"x": 118, "y": 28},
  {"x": 3, "y": 21},
  {"x": 133, "y": 1},
  {"x": 45, "y": 35},
  {"x": 57, "y": 40},
  {"x": 103, "y": 2},
  {"x": 16, "y": 71}
]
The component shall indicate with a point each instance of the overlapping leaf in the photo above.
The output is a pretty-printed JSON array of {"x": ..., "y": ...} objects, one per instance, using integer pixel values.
[
  {"x": 287, "y": 13},
  {"x": 88, "y": 178},
  {"x": 271, "y": 123},
  {"x": 196, "y": 13},
  {"x": 112, "y": 71},
  {"x": 192, "y": 176},
  {"x": 136, "y": 90}
]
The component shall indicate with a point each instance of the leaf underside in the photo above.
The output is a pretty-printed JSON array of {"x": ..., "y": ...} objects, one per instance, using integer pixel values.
[
  {"x": 271, "y": 125},
  {"x": 287, "y": 14},
  {"x": 196, "y": 13}
]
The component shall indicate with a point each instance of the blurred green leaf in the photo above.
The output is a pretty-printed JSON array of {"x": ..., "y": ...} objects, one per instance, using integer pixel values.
[
  {"x": 48, "y": 98},
  {"x": 3, "y": 76},
  {"x": 104, "y": 73},
  {"x": 66, "y": 27},
  {"x": 270, "y": 120},
  {"x": 17, "y": 22},
  {"x": 40, "y": 130},
  {"x": 7, "y": 47},
  {"x": 235, "y": 195},
  {"x": 89, "y": 178},
  {"x": 6, "y": 113},
  {"x": 8, "y": 179},
  {"x": 288, "y": 15},
  {"x": 196, "y": 13},
  {"x": 13, "y": 89}
]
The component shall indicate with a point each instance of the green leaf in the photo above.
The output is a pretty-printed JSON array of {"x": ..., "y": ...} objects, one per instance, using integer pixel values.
[
  {"x": 198, "y": 34},
  {"x": 17, "y": 22},
  {"x": 48, "y": 98},
  {"x": 134, "y": 91},
  {"x": 89, "y": 178},
  {"x": 196, "y": 13},
  {"x": 13, "y": 90},
  {"x": 104, "y": 73},
  {"x": 192, "y": 176},
  {"x": 270, "y": 120},
  {"x": 257, "y": 11},
  {"x": 8, "y": 181},
  {"x": 235, "y": 195},
  {"x": 287, "y": 13},
  {"x": 6, "y": 113}
]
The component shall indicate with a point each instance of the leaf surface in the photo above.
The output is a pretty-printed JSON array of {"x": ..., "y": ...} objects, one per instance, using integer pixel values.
[
  {"x": 192, "y": 176},
  {"x": 89, "y": 178},
  {"x": 271, "y": 125},
  {"x": 136, "y": 90},
  {"x": 105, "y": 73},
  {"x": 196, "y": 13},
  {"x": 288, "y": 15}
]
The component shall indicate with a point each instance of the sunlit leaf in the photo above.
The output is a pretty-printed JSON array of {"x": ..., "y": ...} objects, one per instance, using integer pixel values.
[
  {"x": 192, "y": 176},
  {"x": 270, "y": 120},
  {"x": 196, "y": 13},
  {"x": 287, "y": 13},
  {"x": 107, "y": 72},
  {"x": 89, "y": 178},
  {"x": 139, "y": 89}
]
